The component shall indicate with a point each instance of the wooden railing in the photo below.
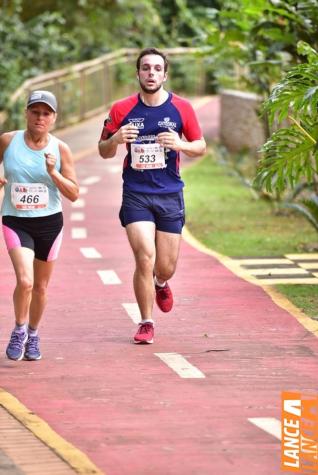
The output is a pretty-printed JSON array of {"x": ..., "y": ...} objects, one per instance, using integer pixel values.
[{"x": 88, "y": 88}]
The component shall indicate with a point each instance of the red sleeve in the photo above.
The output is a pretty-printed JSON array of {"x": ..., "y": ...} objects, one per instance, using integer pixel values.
[
  {"x": 111, "y": 124},
  {"x": 190, "y": 126},
  {"x": 116, "y": 115}
]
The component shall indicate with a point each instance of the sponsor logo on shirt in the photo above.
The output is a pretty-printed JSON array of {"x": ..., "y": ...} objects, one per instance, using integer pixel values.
[
  {"x": 146, "y": 138},
  {"x": 166, "y": 122},
  {"x": 138, "y": 122}
]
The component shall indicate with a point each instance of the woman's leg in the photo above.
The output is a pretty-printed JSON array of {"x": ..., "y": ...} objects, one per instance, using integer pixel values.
[
  {"x": 42, "y": 274},
  {"x": 22, "y": 260}
]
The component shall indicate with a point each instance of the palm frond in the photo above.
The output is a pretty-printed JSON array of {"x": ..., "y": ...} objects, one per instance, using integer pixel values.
[
  {"x": 308, "y": 9},
  {"x": 298, "y": 92},
  {"x": 312, "y": 205},
  {"x": 308, "y": 209},
  {"x": 298, "y": 190},
  {"x": 286, "y": 158},
  {"x": 304, "y": 48}
]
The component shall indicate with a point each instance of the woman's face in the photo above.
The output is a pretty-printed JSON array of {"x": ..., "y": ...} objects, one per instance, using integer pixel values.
[{"x": 40, "y": 117}]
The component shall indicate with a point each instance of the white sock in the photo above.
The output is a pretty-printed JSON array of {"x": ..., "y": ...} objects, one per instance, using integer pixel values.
[
  {"x": 158, "y": 284},
  {"x": 20, "y": 328},
  {"x": 148, "y": 320},
  {"x": 32, "y": 332}
]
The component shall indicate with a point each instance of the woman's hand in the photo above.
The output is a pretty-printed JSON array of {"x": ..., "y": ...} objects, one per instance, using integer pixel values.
[
  {"x": 50, "y": 161},
  {"x": 3, "y": 181}
]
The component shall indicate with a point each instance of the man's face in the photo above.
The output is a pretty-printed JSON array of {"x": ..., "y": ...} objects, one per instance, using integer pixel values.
[{"x": 151, "y": 74}]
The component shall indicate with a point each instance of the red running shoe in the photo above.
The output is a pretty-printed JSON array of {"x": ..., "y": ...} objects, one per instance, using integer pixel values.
[
  {"x": 145, "y": 333},
  {"x": 164, "y": 298}
]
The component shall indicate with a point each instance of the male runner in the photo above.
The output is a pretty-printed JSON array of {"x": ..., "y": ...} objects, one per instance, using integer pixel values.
[{"x": 152, "y": 123}]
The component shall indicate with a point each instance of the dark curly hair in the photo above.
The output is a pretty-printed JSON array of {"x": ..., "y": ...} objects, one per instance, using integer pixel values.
[{"x": 146, "y": 51}]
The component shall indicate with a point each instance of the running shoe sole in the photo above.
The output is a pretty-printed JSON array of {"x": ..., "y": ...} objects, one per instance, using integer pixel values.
[
  {"x": 149, "y": 342},
  {"x": 26, "y": 358}
]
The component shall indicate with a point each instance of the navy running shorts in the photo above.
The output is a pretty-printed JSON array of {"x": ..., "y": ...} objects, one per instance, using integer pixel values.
[
  {"x": 42, "y": 234},
  {"x": 166, "y": 211}
]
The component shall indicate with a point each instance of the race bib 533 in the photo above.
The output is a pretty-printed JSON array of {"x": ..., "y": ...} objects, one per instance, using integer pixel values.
[{"x": 147, "y": 156}]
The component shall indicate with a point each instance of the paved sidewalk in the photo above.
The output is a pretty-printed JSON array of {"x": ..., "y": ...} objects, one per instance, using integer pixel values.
[{"x": 183, "y": 405}]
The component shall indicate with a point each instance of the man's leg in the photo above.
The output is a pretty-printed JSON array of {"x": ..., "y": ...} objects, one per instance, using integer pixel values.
[
  {"x": 167, "y": 253},
  {"x": 141, "y": 236}
]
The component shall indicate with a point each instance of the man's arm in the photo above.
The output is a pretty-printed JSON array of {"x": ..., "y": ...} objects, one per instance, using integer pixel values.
[
  {"x": 126, "y": 134},
  {"x": 193, "y": 149},
  {"x": 108, "y": 148}
]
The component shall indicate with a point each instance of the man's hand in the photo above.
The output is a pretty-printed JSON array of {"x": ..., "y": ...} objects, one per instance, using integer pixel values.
[
  {"x": 126, "y": 134},
  {"x": 170, "y": 140}
]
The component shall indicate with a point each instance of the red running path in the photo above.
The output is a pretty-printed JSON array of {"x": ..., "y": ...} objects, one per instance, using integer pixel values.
[{"x": 118, "y": 402}]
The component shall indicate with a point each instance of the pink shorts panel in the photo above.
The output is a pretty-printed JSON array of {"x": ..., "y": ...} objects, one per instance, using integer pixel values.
[
  {"x": 11, "y": 238},
  {"x": 56, "y": 246}
]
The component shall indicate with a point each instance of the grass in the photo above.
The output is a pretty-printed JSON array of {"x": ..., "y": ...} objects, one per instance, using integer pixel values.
[
  {"x": 223, "y": 214},
  {"x": 303, "y": 296}
]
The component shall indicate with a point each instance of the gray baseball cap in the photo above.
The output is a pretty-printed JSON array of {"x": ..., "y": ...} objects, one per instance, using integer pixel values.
[{"x": 46, "y": 97}]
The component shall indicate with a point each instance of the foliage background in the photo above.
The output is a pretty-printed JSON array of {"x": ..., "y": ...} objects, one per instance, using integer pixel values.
[{"x": 249, "y": 43}]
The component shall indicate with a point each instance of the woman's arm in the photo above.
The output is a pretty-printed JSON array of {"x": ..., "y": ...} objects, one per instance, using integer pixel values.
[
  {"x": 5, "y": 140},
  {"x": 65, "y": 180}
]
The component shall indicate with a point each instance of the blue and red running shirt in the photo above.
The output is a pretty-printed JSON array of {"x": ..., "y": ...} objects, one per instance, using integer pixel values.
[{"x": 175, "y": 113}]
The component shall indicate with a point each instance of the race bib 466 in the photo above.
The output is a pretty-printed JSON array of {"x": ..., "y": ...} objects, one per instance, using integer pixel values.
[{"x": 26, "y": 196}]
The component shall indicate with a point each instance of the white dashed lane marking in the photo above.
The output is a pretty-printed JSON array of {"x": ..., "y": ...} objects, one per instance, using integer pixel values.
[
  {"x": 180, "y": 365},
  {"x": 133, "y": 311},
  {"x": 79, "y": 203},
  {"x": 271, "y": 425},
  {"x": 91, "y": 180},
  {"x": 79, "y": 233},
  {"x": 83, "y": 190},
  {"x": 77, "y": 216},
  {"x": 115, "y": 169},
  {"x": 90, "y": 252},
  {"x": 109, "y": 277}
]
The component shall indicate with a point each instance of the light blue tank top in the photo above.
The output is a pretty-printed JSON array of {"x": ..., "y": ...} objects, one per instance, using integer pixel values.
[{"x": 23, "y": 165}]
